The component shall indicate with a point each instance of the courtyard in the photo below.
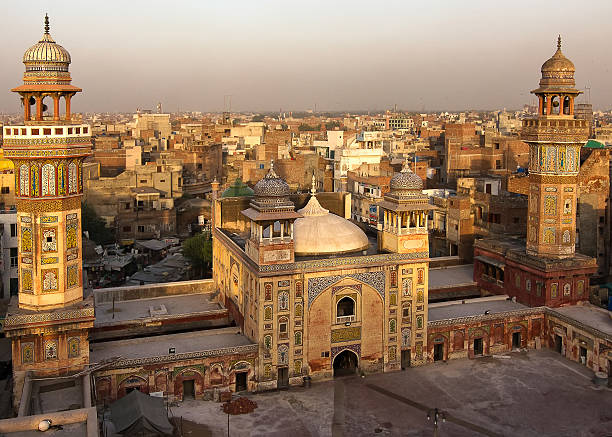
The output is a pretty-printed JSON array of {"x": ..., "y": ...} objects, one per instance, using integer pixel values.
[{"x": 535, "y": 393}]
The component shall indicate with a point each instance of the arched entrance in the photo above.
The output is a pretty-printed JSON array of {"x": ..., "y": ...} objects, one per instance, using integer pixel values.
[{"x": 345, "y": 363}]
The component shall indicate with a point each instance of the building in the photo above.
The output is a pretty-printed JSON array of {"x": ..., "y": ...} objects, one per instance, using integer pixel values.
[
  {"x": 47, "y": 322},
  {"x": 314, "y": 314},
  {"x": 366, "y": 147},
  {"x": 547, "y": 270}
]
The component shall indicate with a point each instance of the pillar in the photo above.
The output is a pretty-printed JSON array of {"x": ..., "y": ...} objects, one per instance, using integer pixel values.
[
  {"x": 56, "y": 108},
  {"x": 548, "y": 104},
  {"x": 68, "y": 107},
  {"x": 26, "y": 108},
  {"x": 561, "y": 102},
  {"x": 571, "y": 106},
  {"x": 540, "y": 105},
  {"x": 39, "y": 112}
]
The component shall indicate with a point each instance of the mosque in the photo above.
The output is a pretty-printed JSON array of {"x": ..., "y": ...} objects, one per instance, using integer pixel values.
[{"x": 299, "y": 291}]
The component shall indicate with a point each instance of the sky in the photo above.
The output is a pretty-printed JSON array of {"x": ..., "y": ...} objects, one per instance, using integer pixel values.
[{"x": 286, "y": 55}]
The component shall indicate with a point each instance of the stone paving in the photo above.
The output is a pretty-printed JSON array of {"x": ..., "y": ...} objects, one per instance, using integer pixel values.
[{"x": 535, "y": 393}]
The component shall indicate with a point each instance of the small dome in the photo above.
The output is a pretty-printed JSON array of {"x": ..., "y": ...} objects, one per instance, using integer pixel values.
[
  {"x": 320, "y": 232},
  {"x": 46, "y": 51},
  {"x": 271, "y": 186},
  {"x": 558, "y": 71},
  {"x": 237, "y": 189},
  {"x": 406, "y": 180},
  {"x": 558, "y": 62}
]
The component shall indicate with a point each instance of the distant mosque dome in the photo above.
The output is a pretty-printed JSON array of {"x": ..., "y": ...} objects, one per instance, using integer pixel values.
[{"x": 320, "y": 232}]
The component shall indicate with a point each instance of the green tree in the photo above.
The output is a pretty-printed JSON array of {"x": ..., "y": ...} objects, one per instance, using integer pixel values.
[
  {"x": 198, "y": 249},
  {"x": 95, "y": 226}
]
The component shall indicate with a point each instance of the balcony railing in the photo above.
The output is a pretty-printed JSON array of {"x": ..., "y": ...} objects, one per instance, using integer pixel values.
[{"x": 345, "y": 319}]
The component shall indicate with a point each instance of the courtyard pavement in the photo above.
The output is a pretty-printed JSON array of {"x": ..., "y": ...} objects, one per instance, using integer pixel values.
[{"x": 535, "y": 393}]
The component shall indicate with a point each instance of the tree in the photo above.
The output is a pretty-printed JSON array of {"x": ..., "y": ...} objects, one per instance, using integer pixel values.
[
  {"x": 95, "y": 225},
  {"x": 198, "y": 249}
]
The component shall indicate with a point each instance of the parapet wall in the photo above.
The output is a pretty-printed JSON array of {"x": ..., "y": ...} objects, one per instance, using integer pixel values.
[{"x": 202, "y": 286}]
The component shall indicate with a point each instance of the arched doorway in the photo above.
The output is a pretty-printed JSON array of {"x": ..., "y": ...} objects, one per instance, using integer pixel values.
[{"x": 345, "y": 363}]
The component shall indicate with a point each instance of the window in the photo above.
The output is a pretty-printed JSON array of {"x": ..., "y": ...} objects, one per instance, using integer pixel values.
[
  {"x": 282, "y": 328},
  {"x": 127, "y": 205},
  {"x": 14, "y": 257},
  {"x": 141, "y": 228},
  {"x": 6, "y": 190},
  {"x": 13, "y": 229},
  {"x": 127, "y": 229},
  {"x": 345, "y": 310},
  {"x": 406, "y": 311}
]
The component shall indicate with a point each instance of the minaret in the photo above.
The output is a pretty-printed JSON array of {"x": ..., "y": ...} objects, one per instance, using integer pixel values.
[
  {"x": 48, "y": 325},
  {"x": 272, "y": 214},
  {"x": 405, "y": 208},
  {"x": 555, "y": 137}
]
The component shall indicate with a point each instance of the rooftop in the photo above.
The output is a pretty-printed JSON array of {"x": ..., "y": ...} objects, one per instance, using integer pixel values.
[
  {"x": 598, "y": 318},
  {"x": 155, "y": 307},
  {"x": 454, "y": 276},
  {"x": 472, "y": 307},
  {"x": 182, "y": 343}
]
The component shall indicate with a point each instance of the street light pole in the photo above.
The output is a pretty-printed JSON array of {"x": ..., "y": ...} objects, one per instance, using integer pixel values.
[{"x": 436, "y": 414}]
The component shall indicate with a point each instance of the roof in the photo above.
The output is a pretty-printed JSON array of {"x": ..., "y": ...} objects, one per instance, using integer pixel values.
[
  {"x": 454, "y": 276},
  {"x": 159, "y": 345},
  {"x": 152, "y": 244},
  {"x": 590, "y": 315},
  {"x": 472, "y": 307},
  {"x": 321, "y": 232},
  {"x": 237, "y": 189},
  {"x": 594, "y": 144},
  {"x": 138, "y": 413},
  {"x": 145, "y": 190},
  {"x": 255, "y": 215}
]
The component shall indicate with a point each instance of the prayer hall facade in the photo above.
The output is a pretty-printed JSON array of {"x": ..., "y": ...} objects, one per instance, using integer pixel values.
[{"x": 318, "y": 296}]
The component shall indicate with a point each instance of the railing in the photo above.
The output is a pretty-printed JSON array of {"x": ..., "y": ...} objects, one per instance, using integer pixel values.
[{"x": 345, "y": 319}]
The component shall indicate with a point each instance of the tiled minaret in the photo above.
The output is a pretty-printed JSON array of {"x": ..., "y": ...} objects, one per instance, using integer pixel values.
[{"x": 48, "y": 323}]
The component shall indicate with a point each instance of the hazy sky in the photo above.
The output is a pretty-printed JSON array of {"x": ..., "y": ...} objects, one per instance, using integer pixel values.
[{"x": 339, "y": 55}]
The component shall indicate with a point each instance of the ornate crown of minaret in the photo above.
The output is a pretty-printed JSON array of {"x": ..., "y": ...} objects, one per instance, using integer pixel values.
[
  {"x": 48, "y": 153},
  {"x": 555, "y": 137},
  {"x": 405, "y": 208}
]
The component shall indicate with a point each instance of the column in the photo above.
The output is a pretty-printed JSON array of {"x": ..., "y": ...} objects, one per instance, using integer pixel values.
[
  {"x": 26, "y": 107},
  {"x": 56, "y": 108},
  {"x": 39, "y": 111},
  {"x": 540, "y": 105},
  {"x": 561, "y": 102},
  {"x": 399, "y": 222},
  {"x": 571, "y": 105},
  {"x": 68, "y": 107},
  {"x": 260, "y": 228},
  {"x": 548, "y": 104},
  {"x": 282, "y": 229},
  {"x": 291, "y": 230}
]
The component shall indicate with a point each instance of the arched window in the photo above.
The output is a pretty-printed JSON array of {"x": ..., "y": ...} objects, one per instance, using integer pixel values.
[
  {"x": 298, "y": 338},
  {"x": 24, "y": 180},
  {"x": 61, "y": 180},
  {"x": 34, "y": 179},
  {"x": 283, "y": 328},
  {"x": 345, "y": 309},
  {"x": 48, "y": 180},
  {"x": 392, "y": 326},
  {"x": 50, "y": 350},
  {"x": 72, "y": 178}
]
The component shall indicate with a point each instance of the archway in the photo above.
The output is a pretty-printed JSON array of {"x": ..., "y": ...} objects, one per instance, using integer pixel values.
[{"x": 345, "y": 363}]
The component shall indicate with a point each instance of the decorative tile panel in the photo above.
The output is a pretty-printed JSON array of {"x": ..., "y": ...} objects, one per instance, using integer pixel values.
[
  {"x": 346, "y": 334},
  {"x": 375, "y": 280}
]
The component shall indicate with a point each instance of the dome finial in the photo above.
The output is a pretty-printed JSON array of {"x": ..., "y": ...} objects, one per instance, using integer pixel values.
[
  {"x": 313, "y": 189},
  {"x": 559, "y": 42},
  {"x": 406, "y": 166},
  {"x": 46, "y": 24}
]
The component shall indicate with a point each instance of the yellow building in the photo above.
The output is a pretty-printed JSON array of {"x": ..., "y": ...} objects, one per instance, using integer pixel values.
[{"x": 317, "y": 295}]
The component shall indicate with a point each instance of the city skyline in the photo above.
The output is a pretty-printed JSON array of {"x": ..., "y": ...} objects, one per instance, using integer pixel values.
[{"x": 337, "y": 56}]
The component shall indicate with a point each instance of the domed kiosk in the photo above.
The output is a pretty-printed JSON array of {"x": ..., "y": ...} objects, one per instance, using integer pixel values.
[{"x": 320, "y": 232}]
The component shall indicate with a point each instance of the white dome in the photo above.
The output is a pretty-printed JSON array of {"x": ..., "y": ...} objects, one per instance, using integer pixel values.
[{"x": 319, "y": 232}]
